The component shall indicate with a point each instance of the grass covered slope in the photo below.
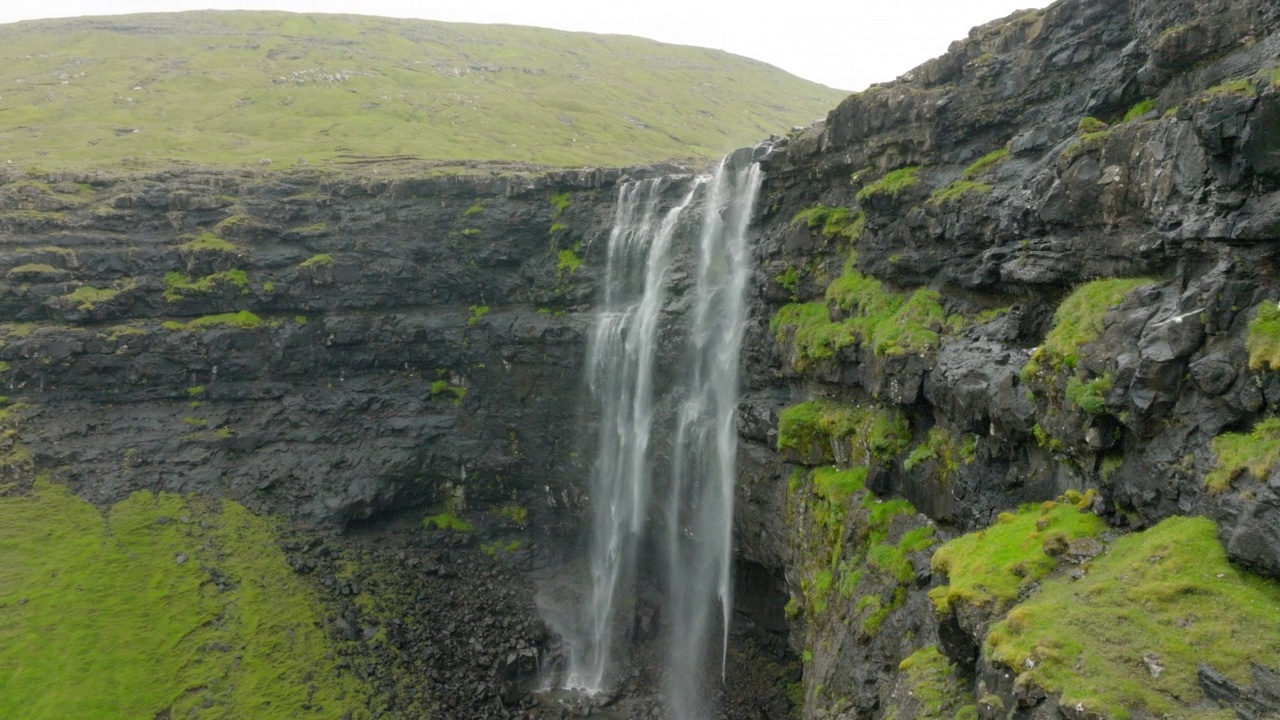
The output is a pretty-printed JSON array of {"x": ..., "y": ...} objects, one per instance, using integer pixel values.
[
  {"x": 1126, "y": 640},
  {"x": 229, "y": 88},
  {"x": 1123, "y": 634},
  {"x": 165, "y": 604}
]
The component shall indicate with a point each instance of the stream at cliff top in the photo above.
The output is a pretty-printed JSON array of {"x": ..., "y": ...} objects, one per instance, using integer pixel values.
[{"x": 662, "y": 482}]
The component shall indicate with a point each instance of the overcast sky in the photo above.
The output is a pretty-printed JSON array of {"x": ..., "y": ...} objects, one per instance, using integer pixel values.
[{"x": 847, "y": 44}]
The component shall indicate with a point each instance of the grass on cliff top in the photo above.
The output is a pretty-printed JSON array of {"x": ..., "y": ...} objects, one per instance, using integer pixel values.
[
  {"x": 232, "y": 88},
  {"x": 990, "y": 567},
  {"x": 1255, "y": 452},
  {"x": 1078, "y": 320},
  {"x": 99, "y": 619},
  {"x": 1164, "y": 597}
]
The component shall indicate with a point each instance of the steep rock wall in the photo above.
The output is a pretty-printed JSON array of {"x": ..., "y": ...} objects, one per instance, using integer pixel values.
[
  {"x": 322, "y": 348},
  {"x": 913, "y": 252}
]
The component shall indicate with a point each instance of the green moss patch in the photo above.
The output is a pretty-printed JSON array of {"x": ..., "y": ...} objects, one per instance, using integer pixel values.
[
  {"x": 871, "y": 431},
  {"x": 568, "y": 262},
  {"x": 167, "y": 606},
  {"x": 36, "y": 271},
  {"x": 446, "y": 521},
  {"x": 833, "y": 221},
  {"x": 244, "y": 320},
  {"x": 477, "y": 312},
  {"x": 1254, "y": 452},
  {"x": 1092, "y": 133},
  {"x": 1089, "y": 396},
  {"x": 1139, "y": 110},
  {"x": 842, "y": 530},
  {"x": 836, "y": 485},
  {"x": 1164, "y": 598},
  {"x": 1239, "y": 86},
  {"x": 1078, "y": 320},
  {"x": 891, "y": 184},
  {"x": 989, "y": 568},
  {"x": 179, "y": 285},
  {"x": 1263, "y": 340},
  {"x": 86, "y": 298},
  {"x": 945, "y": 449},
  {"x": 985, "y": 163},
  {"x": 890, "y": 323},
  {"x": 318, "y": 261},
  {"x": 208, "y": 242},
  {"x": 957, "y": 190},
  {"x": 1090, "y": 125},
  {"x": 936, "y": 689}
]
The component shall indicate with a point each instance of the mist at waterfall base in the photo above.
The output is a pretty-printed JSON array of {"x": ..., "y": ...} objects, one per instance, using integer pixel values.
[{"x": 663, "y": 479}]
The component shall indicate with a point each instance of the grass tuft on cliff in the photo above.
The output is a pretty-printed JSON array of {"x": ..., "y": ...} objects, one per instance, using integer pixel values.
[
  {"x": 1264, "y": 338},
  {"x": 891, "y": 324},
  {"x": 1079, "y": 321},
  {"x": 935, "y": 689},
  {"x": 990, "y": 567},
  {"x": 1254, "y": 452},
  {"x": 872, "y": 432},
  {"x": 164, "y": 607},
  {"x": 244, "y": 88},
  {"x": 1125, "y": 641}
]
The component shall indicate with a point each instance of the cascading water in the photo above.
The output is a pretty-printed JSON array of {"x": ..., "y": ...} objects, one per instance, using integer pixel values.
[
  {"x": 697, "y": 507},
  {"x": 699, "y": 542},
  {"x": 620, "y": 376}
]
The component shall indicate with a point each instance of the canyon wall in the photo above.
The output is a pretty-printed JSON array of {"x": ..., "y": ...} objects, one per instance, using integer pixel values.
[
  {"x": 1028, "y": 270},
  {"x": 1038, "y": 269}
]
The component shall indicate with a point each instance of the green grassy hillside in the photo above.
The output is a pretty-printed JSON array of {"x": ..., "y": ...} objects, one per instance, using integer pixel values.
[
  {"x": 233, "y": 88},
  {"x": 161, "y": 608}
]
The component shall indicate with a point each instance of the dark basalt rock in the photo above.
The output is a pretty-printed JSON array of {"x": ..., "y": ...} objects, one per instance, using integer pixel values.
[
  {"x": 1184, "y": 195},
  {"x": 435, "y": 352}
]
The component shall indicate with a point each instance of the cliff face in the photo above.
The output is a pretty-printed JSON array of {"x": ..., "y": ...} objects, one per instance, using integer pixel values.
[
  {"x": 1029, "y": 267},
  {"x": 397, "y": 343},
  {"x": 1038, "y": 269}
]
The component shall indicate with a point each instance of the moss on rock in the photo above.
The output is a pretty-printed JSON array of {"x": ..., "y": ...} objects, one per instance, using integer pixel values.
[
  {"x": 1255, "y": 452},
  {"x": 933, "y": 690},
  {"x": 1126, "y": 639},
  {"x": 989, "y": 568},
  {"x": 1264, "y": 338},
  {"x": 873, "y": 433}
]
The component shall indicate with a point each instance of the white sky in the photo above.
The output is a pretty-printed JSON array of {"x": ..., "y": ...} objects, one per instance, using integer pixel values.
[{"x": 847, "y": 44}]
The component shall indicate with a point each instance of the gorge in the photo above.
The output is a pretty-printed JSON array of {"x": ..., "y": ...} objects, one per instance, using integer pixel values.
[{"x": 1000, "y": 434}]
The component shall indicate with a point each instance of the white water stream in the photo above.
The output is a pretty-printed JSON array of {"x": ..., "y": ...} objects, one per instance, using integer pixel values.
[{"x": 695, "y": 508}]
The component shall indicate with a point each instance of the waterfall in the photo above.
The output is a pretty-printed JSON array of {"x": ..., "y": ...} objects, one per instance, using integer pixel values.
[
  {"x": 699, "y": 542},
  {"x": 695, "y": 503},
  {"x": 620, "y": 377}
]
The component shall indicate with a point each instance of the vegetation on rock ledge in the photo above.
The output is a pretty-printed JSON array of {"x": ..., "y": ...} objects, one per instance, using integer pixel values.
[
  {"x": 1078, "y": 321},
  {"x": 1255, "y": 452},
  {"x": 990, "y": 567},
  {"x": 1126, "y": 639},
  {"x": 1264, "y": 338}
]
